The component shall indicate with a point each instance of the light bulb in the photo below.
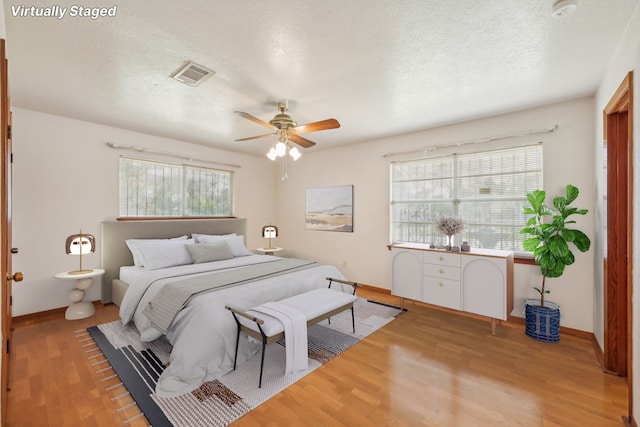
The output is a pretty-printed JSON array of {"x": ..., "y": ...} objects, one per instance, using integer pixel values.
[
  {"x": 281, "y": 149},
  {"x": 295, "y": 153},
  {"x": 272, "y": 154}
]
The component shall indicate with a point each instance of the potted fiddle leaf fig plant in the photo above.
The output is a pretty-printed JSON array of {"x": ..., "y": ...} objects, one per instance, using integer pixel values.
[{"x": 551, "y": 242}]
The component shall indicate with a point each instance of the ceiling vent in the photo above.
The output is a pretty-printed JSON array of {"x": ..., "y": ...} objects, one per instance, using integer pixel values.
[{"x": 192, "y": 74}]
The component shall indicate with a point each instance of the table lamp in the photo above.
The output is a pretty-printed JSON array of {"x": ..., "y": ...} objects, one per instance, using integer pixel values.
[
  {"x": 269, "y": 232},
  {"x": 79, "y": 244}
]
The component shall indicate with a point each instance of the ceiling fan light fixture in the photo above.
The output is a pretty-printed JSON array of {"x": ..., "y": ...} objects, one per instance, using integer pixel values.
[
  {"x": 295, "y": 153},
  {"x": 562, "y": 8},
  {"x": 281, "y": 149},
  {"x": 272, "y": 154}
]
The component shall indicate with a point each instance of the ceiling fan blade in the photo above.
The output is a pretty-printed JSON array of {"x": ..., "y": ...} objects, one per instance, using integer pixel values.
[
  {"x": 303, "y": 142},
  {"x": 316, "y": 126},
  {"x": 254, "y": 119},
  {"x": 256, "y": 137}
]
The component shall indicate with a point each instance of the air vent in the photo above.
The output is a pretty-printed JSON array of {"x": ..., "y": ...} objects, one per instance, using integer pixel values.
[{"x": 192, "y": 74}]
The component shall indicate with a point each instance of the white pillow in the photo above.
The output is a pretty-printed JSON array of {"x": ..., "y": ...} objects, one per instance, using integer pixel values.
[
  {"x": 165, "y": 253},
  {"x": 210, "y": 236},
  {"x": 208, "y": 252},
  {"x": 132, "y": 244},
  {"x": 236, "y": 243}
]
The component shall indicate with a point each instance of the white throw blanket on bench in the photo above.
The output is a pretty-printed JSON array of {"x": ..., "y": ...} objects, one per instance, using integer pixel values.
[{"x": 295, "y": 333}]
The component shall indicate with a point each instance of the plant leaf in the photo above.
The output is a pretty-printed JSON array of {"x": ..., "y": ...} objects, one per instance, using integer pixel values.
[
  {"x": 558, "y": 246},
  {"x": 560, "y": 203},
  {"x": 568, "y": 235},
  {"x": 581, "y": 241},
  {"x": 531, "y": 244},
  {"x": 536, "y": 199},
  {"x": 572, "y": 193}
]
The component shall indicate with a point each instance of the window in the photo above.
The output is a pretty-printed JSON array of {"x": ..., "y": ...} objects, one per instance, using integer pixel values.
[
  {"x": 154, "y": 189},
  {"x": 487, "y": 189}
]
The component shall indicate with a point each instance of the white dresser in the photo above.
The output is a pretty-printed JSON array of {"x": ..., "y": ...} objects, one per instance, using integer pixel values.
[{"x": 478, "y": 282}]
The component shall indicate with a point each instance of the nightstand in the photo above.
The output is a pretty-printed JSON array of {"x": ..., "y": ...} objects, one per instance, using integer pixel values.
[
  {"x": 269, "y": 251},
  {"x": 80, "y": 309}
]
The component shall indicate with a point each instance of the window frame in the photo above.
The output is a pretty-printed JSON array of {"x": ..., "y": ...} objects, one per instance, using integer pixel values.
[{"x": 423, "y": 230}]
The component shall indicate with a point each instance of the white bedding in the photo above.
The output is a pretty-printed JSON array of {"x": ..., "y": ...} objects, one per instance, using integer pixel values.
[{"x": 203, "y": 334}]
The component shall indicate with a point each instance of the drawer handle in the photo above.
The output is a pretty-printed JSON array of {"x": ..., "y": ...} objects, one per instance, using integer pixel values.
[
  {"x": 441, "y": 258},
  {"x": 441, "y": 271},
  {"x": 441, "y": 284}
]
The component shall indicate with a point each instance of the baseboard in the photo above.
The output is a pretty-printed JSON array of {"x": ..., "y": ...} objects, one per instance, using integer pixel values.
[
  {"x": 55, "y": 313},
  {"x": 375, "y": 289},
  {"x": 629, "y": 422},
  {"x": 520, "y": 321}
]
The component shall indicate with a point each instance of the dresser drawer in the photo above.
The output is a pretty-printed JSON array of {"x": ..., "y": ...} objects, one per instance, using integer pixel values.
[
  {"x": 441, "y": 258},
  {"x": 442, "y": 292},
  {"x": 442, "y": 271}
]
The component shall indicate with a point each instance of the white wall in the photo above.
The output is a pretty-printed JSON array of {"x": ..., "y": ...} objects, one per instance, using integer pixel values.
[
  {"x": 626, "y": 58},
  {"x": 65, "y": 178},
  {"x": 363, "y": 255}
]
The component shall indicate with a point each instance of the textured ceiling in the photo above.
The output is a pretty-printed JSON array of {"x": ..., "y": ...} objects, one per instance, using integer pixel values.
[{"x": 380, "y": 67}]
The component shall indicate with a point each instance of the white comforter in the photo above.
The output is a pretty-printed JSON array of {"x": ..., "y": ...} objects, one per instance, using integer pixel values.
[{"x": 203, "y": 334}]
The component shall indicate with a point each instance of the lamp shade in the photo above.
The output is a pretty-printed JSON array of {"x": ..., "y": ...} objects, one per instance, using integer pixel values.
[
  {"x": 281, "y": 149},
  {"x": 295, "y": 153},
  {"x": 269, "y": 231},
  {"x": 80, "y": 244}
]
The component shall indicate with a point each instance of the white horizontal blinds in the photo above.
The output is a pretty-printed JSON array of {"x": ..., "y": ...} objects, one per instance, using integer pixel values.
[
  {"x": 487, "y": 189},
  {"x": 208, "y": 192},
  {"x": 492, "y": 192},
  {"x": 156, "y": 189},
  {"x": 421, "y": 190}
]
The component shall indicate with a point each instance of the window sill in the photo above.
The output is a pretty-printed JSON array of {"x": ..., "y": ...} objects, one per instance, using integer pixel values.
[{"x": 521, "y": 259}]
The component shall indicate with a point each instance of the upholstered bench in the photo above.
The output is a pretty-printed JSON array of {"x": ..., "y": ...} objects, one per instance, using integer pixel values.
[{"x": 316, "y": 305}]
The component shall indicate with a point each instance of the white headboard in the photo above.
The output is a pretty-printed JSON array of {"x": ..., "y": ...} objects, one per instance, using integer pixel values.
[{"x": 114, "y": 233}]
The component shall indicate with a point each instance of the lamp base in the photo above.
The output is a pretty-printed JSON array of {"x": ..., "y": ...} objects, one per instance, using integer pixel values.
[
  {"x": 74, "y": 272},
  {"x": 80, "y": 310},
  {"x": 269, "y": 251}
]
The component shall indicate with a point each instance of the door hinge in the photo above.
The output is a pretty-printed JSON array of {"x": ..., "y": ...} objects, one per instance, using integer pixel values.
[
  {"x": 8, "y": 349},
  {"x": 11, "y": 300},
  {"x": 9, "y": 132}
]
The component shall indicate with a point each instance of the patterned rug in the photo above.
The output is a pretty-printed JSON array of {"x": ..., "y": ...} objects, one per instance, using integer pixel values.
[{"x": 218, "y": 403}]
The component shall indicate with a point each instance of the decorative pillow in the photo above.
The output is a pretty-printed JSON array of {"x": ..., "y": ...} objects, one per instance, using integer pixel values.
[
  {"x": 132, "y": 244},
  {"x": 207, "y": 252},
  {"x": 236, "y": 243},
  {"x": 165, "y": 253},
  {"x": 210, "y": 236}
]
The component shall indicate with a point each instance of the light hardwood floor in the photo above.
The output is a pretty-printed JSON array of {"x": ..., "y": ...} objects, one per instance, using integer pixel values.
[{"x": 427, "y": 367}]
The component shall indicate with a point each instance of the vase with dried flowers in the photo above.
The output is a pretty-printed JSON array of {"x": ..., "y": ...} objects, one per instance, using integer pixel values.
[{"x": 449, "y": 225}]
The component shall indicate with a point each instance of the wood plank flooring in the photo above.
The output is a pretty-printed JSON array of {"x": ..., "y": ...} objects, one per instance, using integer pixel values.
[{"x": 427, "y": 367}]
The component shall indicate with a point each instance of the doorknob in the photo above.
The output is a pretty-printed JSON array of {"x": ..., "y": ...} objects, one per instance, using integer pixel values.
[{"x": 17, "y": 277}]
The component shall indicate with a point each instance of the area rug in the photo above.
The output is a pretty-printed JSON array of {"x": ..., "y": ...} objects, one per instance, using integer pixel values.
[{"x": 218, "y": 403}]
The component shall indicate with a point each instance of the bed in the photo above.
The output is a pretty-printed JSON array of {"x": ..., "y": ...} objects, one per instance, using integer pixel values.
[{"x": 202, "y": 333}]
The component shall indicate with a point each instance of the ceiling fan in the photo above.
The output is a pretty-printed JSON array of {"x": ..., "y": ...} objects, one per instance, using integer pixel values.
[{"x": 287, "y": 129}]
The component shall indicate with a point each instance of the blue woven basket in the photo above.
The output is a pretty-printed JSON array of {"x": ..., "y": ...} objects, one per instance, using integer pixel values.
[{"x": 542, "y": 323}]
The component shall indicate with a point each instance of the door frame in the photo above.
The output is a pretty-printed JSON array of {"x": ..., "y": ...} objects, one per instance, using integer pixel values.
[
  {"x": 618, "y": 302},
  {"x": 5, "y": 227}
]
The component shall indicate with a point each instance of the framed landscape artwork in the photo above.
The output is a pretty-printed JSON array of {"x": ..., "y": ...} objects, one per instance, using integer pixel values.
[{"x": 329, "y": 208}]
